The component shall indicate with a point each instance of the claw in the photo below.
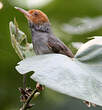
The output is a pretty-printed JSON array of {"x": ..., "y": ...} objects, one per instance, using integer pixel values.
[{"x": 89, "y": 104}]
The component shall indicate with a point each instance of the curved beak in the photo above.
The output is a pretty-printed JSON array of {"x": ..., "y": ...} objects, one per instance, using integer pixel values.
[{"x": 26, "y": 13}]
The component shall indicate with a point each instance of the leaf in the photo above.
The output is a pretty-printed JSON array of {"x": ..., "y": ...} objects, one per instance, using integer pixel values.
[
  {"x": 19, "y": 41},
  {"x": 90, "y": 51},
  {"x": 80, "y": 77}
]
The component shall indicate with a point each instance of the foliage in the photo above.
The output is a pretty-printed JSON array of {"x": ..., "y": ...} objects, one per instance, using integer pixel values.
[
  {"x": 79, "y": 77},
  {"x": 19, "y": 41}
]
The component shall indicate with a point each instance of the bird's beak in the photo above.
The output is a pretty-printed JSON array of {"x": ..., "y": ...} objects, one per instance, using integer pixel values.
[{"x": 26, "y": 13}]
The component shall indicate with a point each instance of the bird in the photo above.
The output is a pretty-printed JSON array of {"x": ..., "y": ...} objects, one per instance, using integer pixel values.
[{"x": 43, "y": 39}]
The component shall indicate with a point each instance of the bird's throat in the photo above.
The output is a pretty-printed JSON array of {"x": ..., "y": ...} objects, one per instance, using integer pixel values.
[{"x": 45, "y": 27}]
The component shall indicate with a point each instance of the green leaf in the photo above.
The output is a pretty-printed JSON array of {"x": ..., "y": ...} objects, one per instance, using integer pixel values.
[
  {"x": 80, "y": 77},
  {"x": 19, "y": 41}
]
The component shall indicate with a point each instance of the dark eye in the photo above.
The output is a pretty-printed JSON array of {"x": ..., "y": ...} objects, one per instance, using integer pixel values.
[{"x": 36, "y": 13}]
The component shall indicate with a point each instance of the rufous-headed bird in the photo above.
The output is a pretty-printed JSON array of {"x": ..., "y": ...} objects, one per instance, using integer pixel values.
[{"x": 43, "y": 39}]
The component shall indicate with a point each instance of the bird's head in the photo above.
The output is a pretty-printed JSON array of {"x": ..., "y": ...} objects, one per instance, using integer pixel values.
[
  {"x": 37, "y": 19},
  {"x": 34, "y": 15}
]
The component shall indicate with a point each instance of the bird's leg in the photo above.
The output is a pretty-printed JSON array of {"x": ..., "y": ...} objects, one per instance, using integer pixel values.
[{"x": 24, "y": 81}]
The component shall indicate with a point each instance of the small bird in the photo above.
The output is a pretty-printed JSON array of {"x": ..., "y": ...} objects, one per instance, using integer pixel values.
[{"x": 43, "y": 39}]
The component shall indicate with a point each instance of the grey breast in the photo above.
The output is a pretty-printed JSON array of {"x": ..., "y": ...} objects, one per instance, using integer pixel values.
[{"x": 40, "y": 43}]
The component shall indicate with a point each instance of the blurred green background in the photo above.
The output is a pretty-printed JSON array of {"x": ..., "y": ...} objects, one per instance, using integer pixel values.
[{"x": 60, "y": 12}]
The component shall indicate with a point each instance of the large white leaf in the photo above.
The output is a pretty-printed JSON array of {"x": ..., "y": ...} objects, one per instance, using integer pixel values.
[{"x": 80, "y": 77}]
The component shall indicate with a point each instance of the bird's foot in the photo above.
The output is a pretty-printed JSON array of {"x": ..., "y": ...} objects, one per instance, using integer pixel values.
[
  {"x": 39, "y": 87},
  {"x": 89, "y": 104}
]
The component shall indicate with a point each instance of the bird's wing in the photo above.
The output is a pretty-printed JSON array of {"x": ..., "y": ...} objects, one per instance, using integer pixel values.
[{"x": 58, "y": 46}]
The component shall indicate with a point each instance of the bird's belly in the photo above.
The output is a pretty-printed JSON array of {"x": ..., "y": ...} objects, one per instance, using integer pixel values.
[{"x": 41, "y": 48}]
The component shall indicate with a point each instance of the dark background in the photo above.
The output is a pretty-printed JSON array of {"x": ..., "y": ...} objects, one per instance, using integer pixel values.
[{"x": 59, "y": 12}]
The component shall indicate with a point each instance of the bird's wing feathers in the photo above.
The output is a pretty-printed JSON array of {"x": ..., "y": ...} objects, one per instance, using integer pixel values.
[{"x": 59, "y": 47}]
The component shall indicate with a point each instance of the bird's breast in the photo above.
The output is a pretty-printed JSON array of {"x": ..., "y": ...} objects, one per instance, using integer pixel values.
[{"x": 40, "y": 45}]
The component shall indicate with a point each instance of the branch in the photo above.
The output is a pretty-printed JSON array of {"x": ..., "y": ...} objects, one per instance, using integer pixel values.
[{"x": 26, "y": 105}]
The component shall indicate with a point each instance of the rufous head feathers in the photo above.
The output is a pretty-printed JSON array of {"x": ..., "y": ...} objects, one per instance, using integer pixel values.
[{"x": 35, "y": 16}]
